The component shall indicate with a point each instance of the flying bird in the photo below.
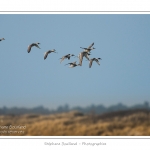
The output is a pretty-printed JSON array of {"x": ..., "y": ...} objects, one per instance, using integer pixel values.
[
  {"x": 66, "y": 56},
  {"x": 48, "y": 52},
  {"x": 31, "y": 45},
  {"x": 79, "y": 55},
  {"x": 94, "y": 59},
  {"x": 88, "y": 49},
  {"x": 83, "y": 54},
  {"x": 73, "y": 64},
  {"x": 2, "y": 39}
]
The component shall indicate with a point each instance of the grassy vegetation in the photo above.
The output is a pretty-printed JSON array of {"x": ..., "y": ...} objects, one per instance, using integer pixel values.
[{"x": 122, "y": 123}]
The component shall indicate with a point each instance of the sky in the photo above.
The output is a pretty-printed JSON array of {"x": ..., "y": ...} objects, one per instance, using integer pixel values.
[{"x": 121, "y": 40}]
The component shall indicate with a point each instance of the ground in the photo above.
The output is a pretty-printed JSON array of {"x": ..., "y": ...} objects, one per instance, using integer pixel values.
[{"x": 121, "y": 123}]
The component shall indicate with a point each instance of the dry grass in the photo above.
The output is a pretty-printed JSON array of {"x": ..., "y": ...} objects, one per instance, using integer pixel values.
[{"x": 123, "y": 123}]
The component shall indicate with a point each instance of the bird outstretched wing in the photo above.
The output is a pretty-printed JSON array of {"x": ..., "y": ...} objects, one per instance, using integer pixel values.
[{"x": 90, "y": 45}]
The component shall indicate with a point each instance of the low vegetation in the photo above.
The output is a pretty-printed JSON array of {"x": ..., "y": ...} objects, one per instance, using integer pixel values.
[{"x": 121, "y": 123}]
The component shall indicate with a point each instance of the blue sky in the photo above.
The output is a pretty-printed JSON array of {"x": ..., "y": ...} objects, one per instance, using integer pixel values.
[{"x": 27, "y": 80}]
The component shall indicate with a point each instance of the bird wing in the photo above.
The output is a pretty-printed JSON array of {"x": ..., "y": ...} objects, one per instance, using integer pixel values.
[
  {"x": 80, "y": 58},
  {"x": 90, "y": 45},
  {"x": 46, "y": 54},
  {"x": 62, "y": 59},
  {"x": 2, "y": 39},
  {"x": 90, "y": 63},
  {"x": 29, "y": 48},
  {"x": 83, "y": 47}
]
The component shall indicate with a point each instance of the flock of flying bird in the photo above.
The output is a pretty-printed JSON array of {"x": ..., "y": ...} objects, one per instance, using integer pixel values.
[{"x": 85, "y": 53}]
